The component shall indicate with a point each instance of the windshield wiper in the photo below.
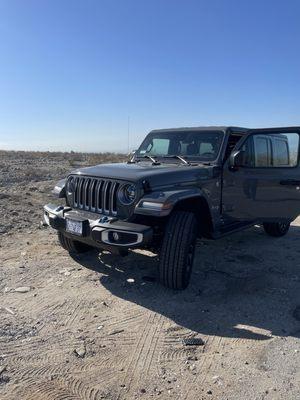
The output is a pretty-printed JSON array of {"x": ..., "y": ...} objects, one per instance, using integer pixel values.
[
  {"x": 154, "y": 162},
  {"x": 184, "y": 161}
]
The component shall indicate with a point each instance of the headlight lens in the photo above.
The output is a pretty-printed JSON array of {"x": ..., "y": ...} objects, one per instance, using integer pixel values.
[{"x": 127, "y": 194}]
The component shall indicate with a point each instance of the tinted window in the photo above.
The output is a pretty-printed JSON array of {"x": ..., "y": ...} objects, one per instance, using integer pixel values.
[
  {"x": 248, "y": 148},
  {"x": 262, "y": 151},
  {"x": 286, "y": 147},
  {"x": 271, "y": 150},
  {"x": 281, "y": 152}
]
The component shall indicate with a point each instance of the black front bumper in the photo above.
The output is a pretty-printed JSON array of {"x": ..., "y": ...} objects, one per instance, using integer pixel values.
[{"x": 100, "y": 231}]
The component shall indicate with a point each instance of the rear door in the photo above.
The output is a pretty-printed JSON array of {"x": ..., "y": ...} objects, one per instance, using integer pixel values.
[{"x": 266, "y": 187}]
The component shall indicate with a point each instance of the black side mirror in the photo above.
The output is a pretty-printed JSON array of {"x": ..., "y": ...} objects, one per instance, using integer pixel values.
[{"x": 237, "y": 159}]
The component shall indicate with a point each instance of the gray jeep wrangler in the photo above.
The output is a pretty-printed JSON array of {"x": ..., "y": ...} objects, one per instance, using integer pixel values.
[{"x": 182, "y": 184}]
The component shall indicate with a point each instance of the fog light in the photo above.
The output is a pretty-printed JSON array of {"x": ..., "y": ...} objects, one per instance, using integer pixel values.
[
  {"x": 121, "y": 238},
  {"x": 116, "y": 236}
]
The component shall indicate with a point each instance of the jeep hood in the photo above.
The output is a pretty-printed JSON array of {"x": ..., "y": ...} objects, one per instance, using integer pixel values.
[{"x": 156, "y": 175}]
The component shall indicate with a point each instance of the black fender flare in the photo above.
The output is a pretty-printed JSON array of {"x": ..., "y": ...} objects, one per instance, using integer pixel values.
[{"x": 161, "y": 203}]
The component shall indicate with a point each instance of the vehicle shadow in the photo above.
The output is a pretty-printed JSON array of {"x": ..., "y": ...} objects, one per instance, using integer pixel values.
[{"x": 243, "y": 286}]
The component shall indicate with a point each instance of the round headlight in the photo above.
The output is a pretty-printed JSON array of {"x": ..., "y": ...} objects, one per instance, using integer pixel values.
[{"x": 127, "y": 194}]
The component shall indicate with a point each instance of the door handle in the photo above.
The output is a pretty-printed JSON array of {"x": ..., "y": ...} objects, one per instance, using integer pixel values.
[{"x": 290, "y": 182}]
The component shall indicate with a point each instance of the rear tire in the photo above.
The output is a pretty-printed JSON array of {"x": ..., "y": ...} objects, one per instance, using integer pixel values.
[
  {"x": 72, "y": 246},
  {"x": 178, "y": 250},
  {"x": 276, "y": 229}
]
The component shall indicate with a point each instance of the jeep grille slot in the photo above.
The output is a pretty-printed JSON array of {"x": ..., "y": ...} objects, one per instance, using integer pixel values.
[{"x": 93, "y": 194}]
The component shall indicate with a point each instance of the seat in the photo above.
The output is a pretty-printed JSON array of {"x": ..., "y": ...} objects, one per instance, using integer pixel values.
[
  {"x": 192, "y": 149},
  {"x": 174, "y": 147}
]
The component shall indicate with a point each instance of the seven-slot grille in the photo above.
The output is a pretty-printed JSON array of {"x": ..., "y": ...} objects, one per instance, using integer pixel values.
[{"x": 93, "y": 194}]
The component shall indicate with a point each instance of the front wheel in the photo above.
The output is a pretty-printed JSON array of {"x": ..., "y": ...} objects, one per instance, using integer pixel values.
[
  {"x": 178, "y": 250},
  {"x": 72, "y": 246},
  {"x": 276, "y": 229}
]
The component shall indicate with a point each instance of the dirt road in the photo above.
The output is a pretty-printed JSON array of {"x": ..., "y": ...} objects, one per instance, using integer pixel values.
[{"x": 100, "y": 327}]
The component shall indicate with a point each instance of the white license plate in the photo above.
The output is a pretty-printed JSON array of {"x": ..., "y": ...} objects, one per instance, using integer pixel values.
[{"x": 74, "y": 227}]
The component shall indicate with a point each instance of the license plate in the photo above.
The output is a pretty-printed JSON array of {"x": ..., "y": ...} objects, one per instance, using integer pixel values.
[{"x": 74, "y": 227}]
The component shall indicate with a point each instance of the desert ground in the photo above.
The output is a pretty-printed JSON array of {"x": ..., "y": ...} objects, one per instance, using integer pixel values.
[{"x": 97, "y": 326}]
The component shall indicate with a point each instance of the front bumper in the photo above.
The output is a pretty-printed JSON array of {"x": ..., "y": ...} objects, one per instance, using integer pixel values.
[{"x": 99, "y": 231}]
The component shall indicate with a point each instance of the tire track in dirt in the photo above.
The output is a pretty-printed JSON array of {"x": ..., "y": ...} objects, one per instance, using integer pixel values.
[
  {"x": 64, "y": 388},
  {"x": 175, "y": 354},
  {"x": 31, "y": 359},
  {"x": 141, "y": 361},
  {"x": 131, "y": 320},
  {"x": 147, "y": 348},
  {"x": 172, "y": 348},
  {"x": 34, "y": 360},
  {"x": 131, "y": 366},
  {"x": 209, "y": 362},
  {"x": 153, "y": 346},
  {"x": 55, "y": 382},
  {"x": 95, "y": 364},
  {"x": 72, "y": 311},
  {"x": 49, "y": 354}
]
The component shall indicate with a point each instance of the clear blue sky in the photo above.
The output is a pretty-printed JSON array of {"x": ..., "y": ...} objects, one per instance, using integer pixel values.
[{"x": 72, "y": 71}]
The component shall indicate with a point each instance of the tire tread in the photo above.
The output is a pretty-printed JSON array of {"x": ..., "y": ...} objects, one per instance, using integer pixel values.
[
  {"x": 273, "y": 229},
  {"x": 72, "y": 246},
  {"x": 180, "y": 228}
]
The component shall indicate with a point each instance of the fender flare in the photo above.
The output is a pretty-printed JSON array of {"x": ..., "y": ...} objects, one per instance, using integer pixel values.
[
  {"x": 161, "y": 203},
  {"x": 60, "y": 189}
]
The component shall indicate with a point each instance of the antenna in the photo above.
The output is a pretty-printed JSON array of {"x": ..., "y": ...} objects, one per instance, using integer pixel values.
[{"x": 128, "y": 130}]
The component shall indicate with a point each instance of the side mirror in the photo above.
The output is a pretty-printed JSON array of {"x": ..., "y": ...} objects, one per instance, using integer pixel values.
[
  {"x": 237, "y": 159},
  {"x": 131, "y": 156}
]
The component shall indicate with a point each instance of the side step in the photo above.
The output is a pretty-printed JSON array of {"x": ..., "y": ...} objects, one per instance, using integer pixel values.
[{"x": 232, "y": 228}]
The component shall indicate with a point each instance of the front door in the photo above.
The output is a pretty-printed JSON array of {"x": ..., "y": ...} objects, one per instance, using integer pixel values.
[{"x": 266, "y": 184}]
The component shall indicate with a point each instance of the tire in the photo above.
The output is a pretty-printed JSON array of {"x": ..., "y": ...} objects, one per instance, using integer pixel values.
[
  {"x": 72, "y": 246},
  {"x": 276, "y": 229},
  {"x": 178, "y": 250}
]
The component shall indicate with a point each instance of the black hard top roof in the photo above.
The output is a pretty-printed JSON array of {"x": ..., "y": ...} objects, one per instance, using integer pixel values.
[
  {"x": 231, "y": 129},
  {"x": 204, "y": 128}
]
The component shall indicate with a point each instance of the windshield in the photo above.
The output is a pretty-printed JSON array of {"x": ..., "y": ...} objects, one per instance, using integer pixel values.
[{"x": 193, "y": 145}]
